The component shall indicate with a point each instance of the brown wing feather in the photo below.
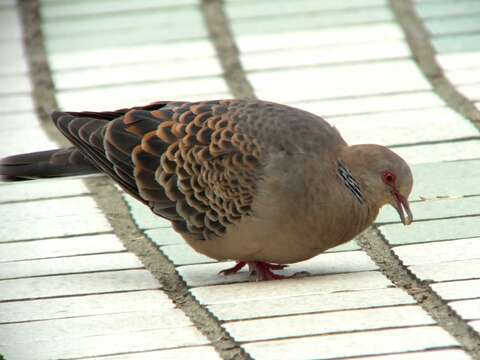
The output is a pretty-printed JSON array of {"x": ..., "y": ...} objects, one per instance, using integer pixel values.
[
  {"x": 88, "y": 134},
  {"x": 188, "y": 161},
  {"x": 198, "y": 162}
]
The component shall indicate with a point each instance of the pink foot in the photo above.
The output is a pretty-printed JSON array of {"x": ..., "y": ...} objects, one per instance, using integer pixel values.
[
  {"x": 235, "y": 269},
  {"x": 262, "y": 270}
]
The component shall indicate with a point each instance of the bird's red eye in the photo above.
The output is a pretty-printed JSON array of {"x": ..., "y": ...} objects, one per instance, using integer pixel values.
[{"x": 388, "y": 177}]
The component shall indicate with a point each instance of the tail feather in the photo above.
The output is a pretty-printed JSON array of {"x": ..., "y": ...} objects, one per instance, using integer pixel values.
[{"x": 45, "y": 164}]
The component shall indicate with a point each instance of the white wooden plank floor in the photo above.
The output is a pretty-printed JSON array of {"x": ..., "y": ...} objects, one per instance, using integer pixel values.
[{"x": 68, "y": 287}]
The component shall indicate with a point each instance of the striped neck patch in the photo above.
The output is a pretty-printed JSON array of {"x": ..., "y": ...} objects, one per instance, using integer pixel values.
[{"x": 350, "y": 181}]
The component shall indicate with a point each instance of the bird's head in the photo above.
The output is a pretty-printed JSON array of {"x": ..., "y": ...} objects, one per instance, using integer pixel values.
[
  {"x": 387, "y": 178},
  {"x": 397, "y": 188}
]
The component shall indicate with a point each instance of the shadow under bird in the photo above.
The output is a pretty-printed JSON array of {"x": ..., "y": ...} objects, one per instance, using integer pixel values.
[{"x": 253, "y": 181}]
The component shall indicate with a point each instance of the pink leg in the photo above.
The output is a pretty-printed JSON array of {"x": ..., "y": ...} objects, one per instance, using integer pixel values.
[
  {"x": 263, "y": 270},
  {"x": 234, "y": 269}
]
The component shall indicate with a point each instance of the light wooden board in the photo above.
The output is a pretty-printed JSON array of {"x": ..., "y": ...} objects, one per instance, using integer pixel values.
[
  {"x": 69, "y": 265},
  {"x": 88, "y": 305},
  {"x": 353, "y": 344},
  {"x": 58, "y": 247},
  {"x": 77, "y": 284}
]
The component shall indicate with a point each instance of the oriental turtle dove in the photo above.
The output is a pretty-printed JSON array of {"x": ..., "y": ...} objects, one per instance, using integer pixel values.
[{"x": 257, "y": 182}]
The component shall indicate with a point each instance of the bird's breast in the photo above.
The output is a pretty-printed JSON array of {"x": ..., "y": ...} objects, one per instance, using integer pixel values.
[{"x": 294, "y": 218}]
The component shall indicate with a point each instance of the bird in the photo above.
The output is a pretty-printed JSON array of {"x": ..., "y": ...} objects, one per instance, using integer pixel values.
[{"x": 256, "y": 182}]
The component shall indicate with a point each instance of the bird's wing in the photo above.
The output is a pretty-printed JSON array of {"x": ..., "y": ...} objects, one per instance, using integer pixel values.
[{"x": 188, "y": 161}]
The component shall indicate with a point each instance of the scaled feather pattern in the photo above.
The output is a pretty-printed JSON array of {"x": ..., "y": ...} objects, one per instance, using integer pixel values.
[{"x": 246, "y": 180}]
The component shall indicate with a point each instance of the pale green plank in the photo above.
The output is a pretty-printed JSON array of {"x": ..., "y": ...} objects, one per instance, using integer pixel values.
[
  {"x": 455, "y": 178},
  {"x": 143, "y": 216},
  {"x": 125, "y": 38},
  {"x": 132, "y": 94},
  {"x": 63, "y": 8},
  {"x": 182, "y": 254},
  {"x": 310, "y": 20},
  {"x": 447, "y": 8},
  {"x": 252, "y": 8},
  {"x": 154, "y": 20},
  {"x": 321, "y": 37},
  {"x": 169, "y": 70},
  {"x": 164, "y": 236},
  {"x": 440, "y": 152},
  {"x": 453, "y": 25},
  {"x": 178, "y": 53},
  {"x": 76, "y": 34},
  {"x": 404, "y": 127},
  {"x": 344, "y": 81},
  {"x": 457, "y": 43},
  {"x": 41, "y": 189},
  {"x": 372, "y": 104},
  {"x": 51, "y": 218},
  {"x": 436, "y": 230},
  {"x": 328, "y": 56},
  {"x": 349, "y": 246}
]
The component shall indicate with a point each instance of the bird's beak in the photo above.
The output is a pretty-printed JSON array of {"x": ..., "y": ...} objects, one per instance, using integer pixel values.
[{"x": 402, "y": 207}]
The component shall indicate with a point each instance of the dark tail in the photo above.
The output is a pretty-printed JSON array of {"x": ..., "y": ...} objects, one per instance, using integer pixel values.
[{"x": 45, "y": 164}]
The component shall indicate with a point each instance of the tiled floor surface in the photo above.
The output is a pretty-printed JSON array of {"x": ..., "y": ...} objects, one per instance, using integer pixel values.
[{"x": 68, "y": 287}]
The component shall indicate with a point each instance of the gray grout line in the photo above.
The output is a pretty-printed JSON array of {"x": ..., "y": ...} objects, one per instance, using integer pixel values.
[
  {"x": 43, "y": 89},
  {"x": 223, "y": 39},
  {"x": 110, "y": 200},
  {"x": 380, "y": 251},
  {"x": 423, "y": 52}
]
